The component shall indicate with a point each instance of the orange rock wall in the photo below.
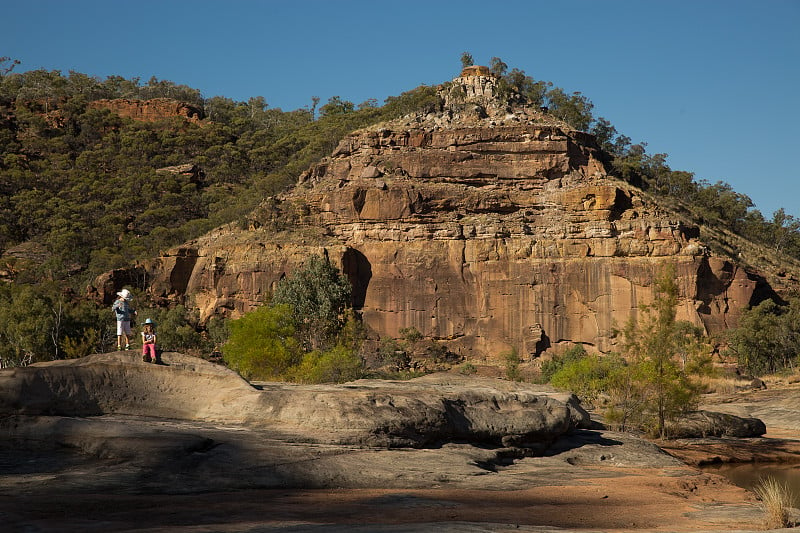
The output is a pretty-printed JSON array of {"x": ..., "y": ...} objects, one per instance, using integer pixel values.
[{"x": 149, "y": 110}]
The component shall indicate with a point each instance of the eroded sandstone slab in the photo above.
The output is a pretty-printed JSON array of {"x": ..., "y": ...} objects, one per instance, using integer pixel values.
[
  {"x": 423, "y": 412},
  {"x": 111, "y": 443}
]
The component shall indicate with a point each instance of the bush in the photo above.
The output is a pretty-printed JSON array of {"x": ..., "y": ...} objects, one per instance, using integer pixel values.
[
  {"x": 175, "y": 327},
  {"x": 217, "y": 331},
  {"x": 586, "y": 375},
  {"x": 467, "y": 369},
  {"x": 411, "y": 334},
  {"x": 337, "y": 365},
  {"x": 262, "y": 343},
  {"x": 767, "y": 339},
  {"x": 81, "y": 346},
  {"x": 391, "y": 352},
  {"x": 549, "y": 368},
  {"x": 512, "y": 362}
]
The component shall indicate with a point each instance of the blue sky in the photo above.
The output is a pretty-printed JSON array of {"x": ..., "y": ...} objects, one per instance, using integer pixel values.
[{"x": 712, "y": 83}]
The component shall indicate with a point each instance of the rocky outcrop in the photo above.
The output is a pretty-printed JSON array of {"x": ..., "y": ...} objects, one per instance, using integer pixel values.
[
  {"x": 422, "y": 412},
  {"x": 151, "y": 110},
  {"x": 488, "y": 225},
  {"x": 701, "y": 424},
  {"x": 198, "y": 447}
]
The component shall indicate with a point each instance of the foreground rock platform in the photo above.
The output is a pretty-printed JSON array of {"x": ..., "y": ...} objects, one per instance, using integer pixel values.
[
  {"x": 109, "y": 443},
  {"x": 426, "y": 411}
]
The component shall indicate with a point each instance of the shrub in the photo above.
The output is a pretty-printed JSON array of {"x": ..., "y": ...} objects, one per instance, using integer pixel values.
[
  {"x": 586, "y": 375},
  {"x": 175, "y": 328},
  {"x": 337, "y": 365},
  {"x": 549, "y": 368},
  {"x": 218, "y": 331},
  {"x": 512, "y": 362},
  {"x": 80, "y": 346},
  {"x": 467, "y": 369},
  {"x": 262, "y": 343},
  {"x": 411, "y": 334},
  {"x": 393, "y": 353},
  {"x": 767, "y": 339}
]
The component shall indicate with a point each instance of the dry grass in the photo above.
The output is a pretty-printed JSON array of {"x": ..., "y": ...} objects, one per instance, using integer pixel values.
[
  {"x": 776, "y": 499},
  {"x": 722, "y": 385}
]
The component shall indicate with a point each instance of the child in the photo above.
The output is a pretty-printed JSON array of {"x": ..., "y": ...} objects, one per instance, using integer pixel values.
[
  {"x": 123, "y": 311},
  {"x": 149, "y": 341}
]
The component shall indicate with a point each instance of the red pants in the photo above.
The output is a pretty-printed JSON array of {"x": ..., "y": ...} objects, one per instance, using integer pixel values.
[{"x": 149, "y": 348}]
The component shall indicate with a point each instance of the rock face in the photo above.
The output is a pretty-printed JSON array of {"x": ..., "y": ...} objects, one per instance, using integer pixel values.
[
  {"x": 422, "y": 412},
  {"x": 488, "y": 225},
  {"x": 149, "y": 110}
]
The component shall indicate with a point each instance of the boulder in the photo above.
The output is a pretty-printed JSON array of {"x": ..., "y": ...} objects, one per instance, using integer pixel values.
[
  {"x": 701, "y": 424},
  {"x": 427, "y": 411}
]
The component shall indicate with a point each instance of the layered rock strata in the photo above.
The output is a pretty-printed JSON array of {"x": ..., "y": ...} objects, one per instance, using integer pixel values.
[
  {"x": 488, "y": 225},
  {"x": 149, "y": 110}
]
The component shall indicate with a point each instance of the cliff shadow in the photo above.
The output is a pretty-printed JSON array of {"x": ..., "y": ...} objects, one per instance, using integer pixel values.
[{"x": 358, "y": 269}]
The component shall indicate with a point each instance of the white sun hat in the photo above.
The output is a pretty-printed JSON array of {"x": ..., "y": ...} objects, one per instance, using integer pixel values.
[{"x": 125, "y": 294}]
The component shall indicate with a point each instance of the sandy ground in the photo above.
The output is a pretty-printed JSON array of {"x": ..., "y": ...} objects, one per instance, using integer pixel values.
[
  {"x": 626, "y": 500},
  {"x": 632, "y": 504}
]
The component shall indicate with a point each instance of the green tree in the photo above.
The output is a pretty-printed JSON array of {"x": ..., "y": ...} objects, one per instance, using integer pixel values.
[
  {"x": 719, "y": 201},
  {"x": 786, "y": 230},
  {"x": 609, "y": 138},
  {"x": 653, "y": 345},
  {"x": 497, "y": 67},
  {"x": 575, "y": 109},
  {"x": 7, "y": 65},
  {"x": 26, "y": 322},
  {"x": 42, "y": 323},
  {"x": 262, "y": 343},
  {"x": 336, "y": 106},
  {"x": 767, "y": 338},
  {"x": 319, "y": 295},
  {"x": 466, "y": 60}
]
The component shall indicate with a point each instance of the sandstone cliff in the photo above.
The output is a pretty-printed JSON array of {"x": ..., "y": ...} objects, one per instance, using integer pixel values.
[{"x": 488, "y": 225}]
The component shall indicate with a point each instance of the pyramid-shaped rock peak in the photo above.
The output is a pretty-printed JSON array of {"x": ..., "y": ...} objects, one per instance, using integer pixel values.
[{"x": 488, "y": 224}]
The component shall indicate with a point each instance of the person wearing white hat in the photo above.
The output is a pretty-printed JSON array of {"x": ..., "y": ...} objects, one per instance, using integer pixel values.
[
  {"x": 123, "y": 311},
  {"x": 149, "y": 342}
]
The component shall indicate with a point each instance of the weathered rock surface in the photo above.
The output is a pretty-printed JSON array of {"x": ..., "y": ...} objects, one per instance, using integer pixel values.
[
  {"x": 111, "y": 443},
  {"x": 776, "y": 407},
  {"x": 701, "y": 424},
  {"x": 487, "y": 225},
  {"x": 120, "y": 473},
  {"x": 422, "y": 412},
  {"x": 149, "y": 110}
]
